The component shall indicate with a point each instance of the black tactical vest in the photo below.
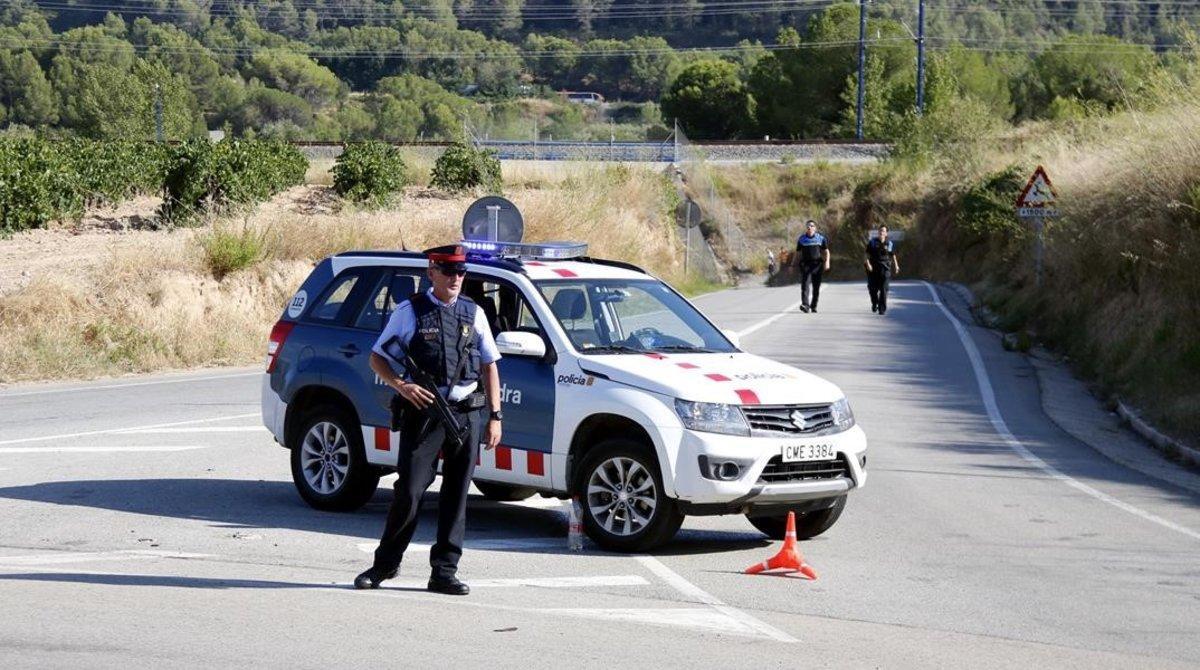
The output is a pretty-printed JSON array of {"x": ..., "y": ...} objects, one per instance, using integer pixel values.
[
  {"x": 881, "y": 254},
  {"x": 442, "y": 333}
]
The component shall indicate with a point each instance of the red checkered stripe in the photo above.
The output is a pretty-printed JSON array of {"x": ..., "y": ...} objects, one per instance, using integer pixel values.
[
  {"x": 745, "y": 396},
  {"x": 514, "y": 459},
  {"x": 503, "y": 457}
]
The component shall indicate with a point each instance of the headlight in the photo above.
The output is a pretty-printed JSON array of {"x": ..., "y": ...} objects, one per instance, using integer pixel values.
[
  {"x": 712, "y": 417},
  {"x": 843, "y": 417}
]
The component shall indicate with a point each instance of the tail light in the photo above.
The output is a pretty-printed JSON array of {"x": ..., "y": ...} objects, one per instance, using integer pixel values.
[{"x": 278, "y": 334}]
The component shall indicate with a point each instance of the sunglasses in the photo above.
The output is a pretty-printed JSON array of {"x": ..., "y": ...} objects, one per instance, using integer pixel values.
[{"x": 452, "y": 272}]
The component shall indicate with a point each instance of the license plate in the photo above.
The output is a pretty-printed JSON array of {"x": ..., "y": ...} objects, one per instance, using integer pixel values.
[{"x": 808, "y": 452}]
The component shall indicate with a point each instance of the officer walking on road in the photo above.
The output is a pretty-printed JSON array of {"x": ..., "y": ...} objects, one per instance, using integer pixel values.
[
  {"x": 881, "y": 262},
  {"x": 446, "y": 335},
  {"x": 812, "y": 259}
]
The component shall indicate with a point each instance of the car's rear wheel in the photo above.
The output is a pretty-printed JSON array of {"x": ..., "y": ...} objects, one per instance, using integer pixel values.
[
  {"x": 625, "y": 507},
  {"x": 808, "y": 524},
  {"x": 504, "y": 492},
  {"x": 329, "y": 466}
]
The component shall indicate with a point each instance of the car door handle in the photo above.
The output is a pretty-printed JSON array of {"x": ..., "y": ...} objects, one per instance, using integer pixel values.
[{"x": 349, "y": 350}]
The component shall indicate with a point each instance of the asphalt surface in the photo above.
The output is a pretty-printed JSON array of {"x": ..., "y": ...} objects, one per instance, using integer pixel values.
[{"x": 151, "y": 522}]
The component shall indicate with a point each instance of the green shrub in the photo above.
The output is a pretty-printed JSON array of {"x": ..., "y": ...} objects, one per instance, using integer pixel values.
[
  {"x": 371, "y": 173},
  {"x": 203, "y": 176},
  {"x": 987, "y": 208},
  {"x": 462, "y": 167},
  {"x": 227, "y": 251},
  {"x": 36, "y": 185},
  {"x": 113, "y": 171}
]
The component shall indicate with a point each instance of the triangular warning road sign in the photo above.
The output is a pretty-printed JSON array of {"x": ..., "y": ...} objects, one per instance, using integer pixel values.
[{"x": 1039, "y": 192}]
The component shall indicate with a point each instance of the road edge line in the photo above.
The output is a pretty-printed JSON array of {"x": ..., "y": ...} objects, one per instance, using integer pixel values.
[{"x": 988, "y": 394}]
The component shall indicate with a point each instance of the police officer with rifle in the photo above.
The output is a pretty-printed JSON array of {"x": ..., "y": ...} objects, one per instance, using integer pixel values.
[{"x": 438, "y": 353}]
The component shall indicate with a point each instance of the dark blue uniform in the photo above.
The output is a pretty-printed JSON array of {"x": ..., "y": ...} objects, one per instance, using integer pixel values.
[
  {"x": 881, "y": 255},
  {"x": 810, "y": 250},
  {"x": 437, "y": 347}
]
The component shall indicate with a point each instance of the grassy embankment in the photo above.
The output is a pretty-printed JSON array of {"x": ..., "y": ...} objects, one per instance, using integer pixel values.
[
  {"x": 1122, "y": 264},
  {"x": 208, "y": 296}
]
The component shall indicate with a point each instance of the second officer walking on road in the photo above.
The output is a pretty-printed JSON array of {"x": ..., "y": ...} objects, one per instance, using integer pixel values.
[
  {"x": 881, "y": 262},
  {"x": 447, "y": 337},
  {"x": 812, "y": 261}
]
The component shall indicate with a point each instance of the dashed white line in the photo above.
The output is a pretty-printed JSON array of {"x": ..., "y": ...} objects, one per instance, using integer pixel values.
[
  {"x": 84, "y": 389},
  {"x": 768, "y": 321},
  {"x": 95, "y": 450},
  {"x": 196, "y": 429},
  {"x": 64, "y": 558},
  {"x": 1001, "y": 428},
  {"x": 110, "y": 431}
]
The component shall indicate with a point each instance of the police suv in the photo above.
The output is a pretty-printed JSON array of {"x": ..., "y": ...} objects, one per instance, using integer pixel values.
[{"x": 615, "y": 389}]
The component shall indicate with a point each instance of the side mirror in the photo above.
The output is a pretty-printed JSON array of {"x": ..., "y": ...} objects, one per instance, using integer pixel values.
[
  {"x": 520, "y": 343},
  {"x": 733, "y": 337}
]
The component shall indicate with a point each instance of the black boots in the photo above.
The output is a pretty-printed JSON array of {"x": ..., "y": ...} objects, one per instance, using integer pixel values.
[
  {"x": 372, "y": 577},
  {"x": 448, "y": 585}
]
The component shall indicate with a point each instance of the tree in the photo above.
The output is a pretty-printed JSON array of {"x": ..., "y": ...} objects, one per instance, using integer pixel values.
[
  {"x": 110, "y": 103},
  {"x": 263, "y": 106},
  {"x": 296, "y": 74},
  {"x": 709, "y": 100},
  {"x": 24, "y": 90},
  {"x": 553, "y": 60},
  {"x": 1072, "y": 69},
  {"x": 802, "y": 92}
]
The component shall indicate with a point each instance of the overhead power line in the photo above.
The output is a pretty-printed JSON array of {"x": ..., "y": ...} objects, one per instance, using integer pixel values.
[{"x": 402, "y": 54}]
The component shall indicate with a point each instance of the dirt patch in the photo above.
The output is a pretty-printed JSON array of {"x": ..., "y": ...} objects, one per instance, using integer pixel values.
[{"x": 73, "y": 250}]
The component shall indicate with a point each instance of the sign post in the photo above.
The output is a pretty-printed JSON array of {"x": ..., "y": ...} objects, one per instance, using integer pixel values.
[{"x": 1038, "y": 201}]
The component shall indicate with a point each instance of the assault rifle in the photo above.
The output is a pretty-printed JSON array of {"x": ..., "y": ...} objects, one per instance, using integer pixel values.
[{"x": 440, "y": 408}]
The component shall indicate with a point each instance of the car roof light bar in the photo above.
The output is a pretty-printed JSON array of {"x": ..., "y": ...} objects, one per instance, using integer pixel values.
[{"x": 542, "y": 250}]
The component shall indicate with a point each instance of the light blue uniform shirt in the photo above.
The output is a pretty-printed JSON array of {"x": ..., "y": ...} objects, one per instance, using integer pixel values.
[{"x": 403, "y": 325}]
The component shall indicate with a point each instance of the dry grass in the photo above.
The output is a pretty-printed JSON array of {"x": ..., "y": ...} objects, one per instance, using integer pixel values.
[{"x": 154, "y": 303}]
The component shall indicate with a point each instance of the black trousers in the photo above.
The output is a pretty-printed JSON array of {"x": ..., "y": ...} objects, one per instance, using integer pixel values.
[
  {"x": 810, "y": 273},
  {"x": 418, "y": 458},
  {"x": 877, "y": 286}
]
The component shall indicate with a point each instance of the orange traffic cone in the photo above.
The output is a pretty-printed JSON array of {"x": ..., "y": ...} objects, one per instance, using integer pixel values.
[{"x": 789, "y": 557}]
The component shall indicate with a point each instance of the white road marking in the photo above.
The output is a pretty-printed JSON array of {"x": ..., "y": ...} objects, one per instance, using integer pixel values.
[
  {"x": 766, "y": 322},
  {"x": 690, "y": 590},
  {"x": 93, "y": 450},
  {"x": 84, "y": 389},
  {"x": 538, "y": 582},
  {"x": 62, "y": 558},
  {"x": 691, "y": 617},
  {"x": 704, "y": 619},
  {"x": 196, "y": 429},
  {"x": 1001, "y": 428},
  {"x": 536, "y": 502},
  {"x": 502, "y": 544},
  {"x": 109, "y": 431}
]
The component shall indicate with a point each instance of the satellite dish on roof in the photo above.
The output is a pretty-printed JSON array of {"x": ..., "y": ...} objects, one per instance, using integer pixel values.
[{"x": 493, "y": 218}]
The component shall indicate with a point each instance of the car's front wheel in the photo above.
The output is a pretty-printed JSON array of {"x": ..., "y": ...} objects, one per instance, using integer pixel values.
[
  {"x": 329, "y": 466},
  {"x": 625, "y": 507},
  {"x": 808, "y": 524}
]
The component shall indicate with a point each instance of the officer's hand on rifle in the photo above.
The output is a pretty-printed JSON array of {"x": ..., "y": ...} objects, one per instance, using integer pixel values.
[{"x": 415, "y": 394}]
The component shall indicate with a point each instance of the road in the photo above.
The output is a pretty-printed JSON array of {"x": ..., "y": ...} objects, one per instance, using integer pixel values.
[{"x": 151, "y": 522}]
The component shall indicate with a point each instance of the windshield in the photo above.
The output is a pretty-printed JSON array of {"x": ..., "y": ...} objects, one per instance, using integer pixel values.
[{"x": 613, "y": 316}]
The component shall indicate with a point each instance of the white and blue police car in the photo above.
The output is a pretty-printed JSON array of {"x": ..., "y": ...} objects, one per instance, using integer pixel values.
[{"x": 616, "y": 389}]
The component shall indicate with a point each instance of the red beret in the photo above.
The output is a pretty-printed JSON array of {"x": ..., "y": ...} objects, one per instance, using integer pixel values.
[{"x": 450, "y": 253}]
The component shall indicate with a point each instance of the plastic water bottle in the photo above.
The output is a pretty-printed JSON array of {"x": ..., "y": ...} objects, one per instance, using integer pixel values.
[{"x": 575, "y": 525}]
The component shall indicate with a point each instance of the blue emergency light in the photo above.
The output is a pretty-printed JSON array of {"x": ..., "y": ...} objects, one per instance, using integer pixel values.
[{"x": 543, "y": 251}]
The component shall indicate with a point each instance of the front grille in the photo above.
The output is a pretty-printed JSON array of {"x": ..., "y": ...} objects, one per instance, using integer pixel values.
[
  {"x": 777, "y": 471},
  {"x": 782, "y": 419}
]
